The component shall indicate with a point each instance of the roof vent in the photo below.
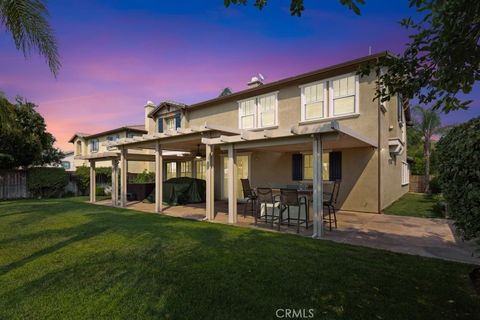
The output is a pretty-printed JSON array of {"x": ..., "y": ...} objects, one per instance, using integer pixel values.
[{"x": 256, "y": 81}]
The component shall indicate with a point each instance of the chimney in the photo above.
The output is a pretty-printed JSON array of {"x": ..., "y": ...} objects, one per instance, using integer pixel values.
[
  {"x": 255, "y": 82},
  {"x": 149, "y": 122}
]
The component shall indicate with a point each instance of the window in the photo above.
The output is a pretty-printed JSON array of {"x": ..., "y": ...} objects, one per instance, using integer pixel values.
[
  {"x": 79, "y": 148},
  {"x": 400, "y": 108},
  {"x": 113, "y": 137},
  {"x": 186, "y": 169},
  {"x": 201, "y": 168},
  {"x": 308, "y": 166},
  {"x": 313, "y": 106},
  {"x": 94, "y": 145},
  {"x": 405, "y": 173},
  {"x": 343, "y": 91},
  {"x": 266, "y": 110},
  {"x": 132, "y": 134},
  {"x": 66, "y": 165},
  {"x": 170, "y": 124},
  {"x": 258, "y": 112},
  {"x": 247, "y": 114},
  {"x": 171, "y": 170}
]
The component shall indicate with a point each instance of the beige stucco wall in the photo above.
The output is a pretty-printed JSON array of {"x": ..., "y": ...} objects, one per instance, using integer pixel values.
[{"x": 133, "y": 166}]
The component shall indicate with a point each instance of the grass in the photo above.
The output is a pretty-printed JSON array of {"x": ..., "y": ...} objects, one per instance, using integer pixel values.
[
  {"x": 415, "y": 205},
  {"x": 72, "y": 260}
]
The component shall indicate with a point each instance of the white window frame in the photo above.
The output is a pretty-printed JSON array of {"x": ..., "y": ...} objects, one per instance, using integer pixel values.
[
  {"x": 355, "y": 100},
  {"x": 166, "y": 128},
  {"x": 256, "y": 113},
  {"x": 405, "y": 173},
  {"x": 303, "y": 100}
]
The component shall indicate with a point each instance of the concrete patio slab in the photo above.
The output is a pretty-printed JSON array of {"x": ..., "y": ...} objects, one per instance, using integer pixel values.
[{"x": 434, "y": 238}]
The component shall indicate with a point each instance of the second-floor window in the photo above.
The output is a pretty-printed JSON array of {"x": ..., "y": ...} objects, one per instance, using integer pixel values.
[
  {"x": 343, "y": 92},
  {"x": 113, "y": 137},
  {"x": 94, "y": 145},
  {"x": 170, "y": 124},
  {"x": 313, "y": 106},
  {"x": 258, "y": 112}
]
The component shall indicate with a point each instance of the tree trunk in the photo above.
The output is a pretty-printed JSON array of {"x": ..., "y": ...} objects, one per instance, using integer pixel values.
[{"x": 426, "y": 154}]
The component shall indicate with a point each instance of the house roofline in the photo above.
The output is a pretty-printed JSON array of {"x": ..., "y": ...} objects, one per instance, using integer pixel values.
[
  {"x": 301, "y": 78},
  {"x": 94, "y": 135}
]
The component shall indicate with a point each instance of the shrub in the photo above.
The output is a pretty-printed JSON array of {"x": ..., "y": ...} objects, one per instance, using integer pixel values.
[
  {"x": 435, "y": 186},
  {"x": 100, "y": 191},
  {"x": 83, "y": 177},
  {"x": 145, "y": 177},
  {"x": 459, "y": 171},
  {"x": 46, "y": 182}
]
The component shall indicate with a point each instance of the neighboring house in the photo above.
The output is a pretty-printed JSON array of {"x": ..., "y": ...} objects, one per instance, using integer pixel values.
[
  {"x": 275, "y": 133},
  {"x": 86, "y": 145},
  {"x": 67, "y": 161}
]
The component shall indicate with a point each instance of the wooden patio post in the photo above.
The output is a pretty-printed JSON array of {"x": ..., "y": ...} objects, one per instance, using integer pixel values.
[
  {"x": 158, "y": 177},
  {"x": 123, "y": 177},
  {"x": 232, "y": 185},
  {"x": 317, "y": 187},
  {"x": 115, "y": 182},
  {"x": 93, "y": 182},
  {"x": 210, "y": 177}
]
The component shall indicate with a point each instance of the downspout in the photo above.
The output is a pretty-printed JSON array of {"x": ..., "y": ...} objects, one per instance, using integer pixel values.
[{"x": 379, "y": 153}]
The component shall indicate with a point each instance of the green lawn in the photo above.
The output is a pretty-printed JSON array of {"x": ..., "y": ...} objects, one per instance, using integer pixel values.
[
  {"x": 64, "y": 259},
  {"x": 415, "y": 205}
]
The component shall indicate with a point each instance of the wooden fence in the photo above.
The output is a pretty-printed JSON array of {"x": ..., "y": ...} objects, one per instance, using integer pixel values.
[
  {"x": 13, "y": 184},
  {"x": 417, "y": 183}
]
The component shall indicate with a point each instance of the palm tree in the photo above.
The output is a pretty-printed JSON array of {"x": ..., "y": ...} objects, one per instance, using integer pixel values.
[
  {"x": 428, "y": 124},
  {"x": 26, "y": 21}
]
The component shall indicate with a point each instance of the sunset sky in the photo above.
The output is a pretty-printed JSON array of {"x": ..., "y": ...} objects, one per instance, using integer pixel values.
[{"x": 116, "y": 55}]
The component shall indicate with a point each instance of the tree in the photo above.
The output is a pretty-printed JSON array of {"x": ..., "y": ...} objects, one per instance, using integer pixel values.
[
  {"x": 25, "y": 141},
  {"x": 440, "y": 61},
  {"x": 27, "y": 23},
  {"x": 459, "y": 172},
  {"x": 296, "y": 6},
  {"x": 225, "y": 92},
  {"x": 429, "y": 125}
]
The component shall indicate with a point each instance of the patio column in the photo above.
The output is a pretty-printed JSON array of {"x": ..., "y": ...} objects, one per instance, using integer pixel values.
[
  {"x": 123, "y": 177},
  {"x": 317, "y": 187},
  {"x": 232, "y": 185},
  {"x": 115, "y": 182},
  {"x": 93, "y": 182},
  {"x": 158, "y": 177},
  {"x": 210, "y": 177}
]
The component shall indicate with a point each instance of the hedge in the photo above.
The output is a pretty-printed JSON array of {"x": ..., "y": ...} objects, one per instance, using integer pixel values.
[
  {"x": 459, "y": 173},
  {"x": 83, "y": 176},
  {"x": 46, "y": 182}
]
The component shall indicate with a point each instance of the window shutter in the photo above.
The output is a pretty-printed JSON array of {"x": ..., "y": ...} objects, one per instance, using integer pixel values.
[
  {"x": 297, "y": 167},
  {"x": 178, "y": 120},
  {"x": 160, "y": 124},
  {"x": 335, "y": 159}
]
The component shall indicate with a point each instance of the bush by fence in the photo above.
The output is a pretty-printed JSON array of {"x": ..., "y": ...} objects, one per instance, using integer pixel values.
[{"x": 46, "y": 182}]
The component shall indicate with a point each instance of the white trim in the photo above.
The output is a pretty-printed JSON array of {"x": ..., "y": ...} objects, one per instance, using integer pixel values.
[
  {"x": 256, "y": 114},
  {"x": 356, "y": 108},
  {"x": 303, "y": 102},
  {"x": 346, "y": 116},
  {"x": 405, "y": 173}
]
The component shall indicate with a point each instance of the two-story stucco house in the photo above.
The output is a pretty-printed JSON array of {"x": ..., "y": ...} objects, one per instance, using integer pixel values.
[
  {"x": 308, "y": 129},
  {"x": 89, "y": 145}
]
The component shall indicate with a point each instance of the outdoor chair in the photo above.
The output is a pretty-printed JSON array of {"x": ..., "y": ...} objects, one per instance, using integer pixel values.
[
  {"x": 330, "y": 200},
  {"x": 290, "y": 198},
  {"x": 266, "y": 199},
  {"x": 251, "y": 197}
]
